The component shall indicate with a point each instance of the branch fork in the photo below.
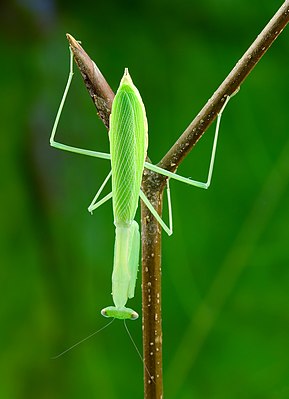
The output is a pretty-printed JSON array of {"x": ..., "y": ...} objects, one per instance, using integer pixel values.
[{"x": 153, "y": 184}]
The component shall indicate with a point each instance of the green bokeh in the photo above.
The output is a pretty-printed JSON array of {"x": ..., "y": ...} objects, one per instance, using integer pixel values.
[{"x": 225, "y": 269}]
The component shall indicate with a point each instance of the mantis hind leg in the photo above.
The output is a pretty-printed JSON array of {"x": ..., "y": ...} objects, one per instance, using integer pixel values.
[
  {"x": 133, "y": 260},
  {"x": 65, "y": 147},
  {"x": 186, "y": 180},
  {"x": 168, "y": 229}
]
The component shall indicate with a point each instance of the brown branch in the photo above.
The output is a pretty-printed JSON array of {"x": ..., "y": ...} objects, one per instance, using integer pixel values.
[
  {"x": 151, "y": 288},
  {"x": 153, "y": 184},
  {"x": 206, "y": 116},
  {"x": 98, "y": 88}
]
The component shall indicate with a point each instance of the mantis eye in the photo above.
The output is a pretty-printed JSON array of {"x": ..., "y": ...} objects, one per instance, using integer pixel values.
[{"x": 134, "y": 315}]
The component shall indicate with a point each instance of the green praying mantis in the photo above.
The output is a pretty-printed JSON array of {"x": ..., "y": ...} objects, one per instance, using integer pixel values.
[{"x": 128, "y": 139}]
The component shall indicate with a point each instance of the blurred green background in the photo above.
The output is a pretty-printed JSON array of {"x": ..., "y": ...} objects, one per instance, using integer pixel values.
[{"x": 225, "y": 269}]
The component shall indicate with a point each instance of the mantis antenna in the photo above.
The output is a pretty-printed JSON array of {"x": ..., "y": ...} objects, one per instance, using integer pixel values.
[
  {"x": 82, "y": 340},
  {"x": 138, "y": 352}
]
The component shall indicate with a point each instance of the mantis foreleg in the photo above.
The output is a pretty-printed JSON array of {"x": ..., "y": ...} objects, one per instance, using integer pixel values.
[{"x": 125, "y": 266}]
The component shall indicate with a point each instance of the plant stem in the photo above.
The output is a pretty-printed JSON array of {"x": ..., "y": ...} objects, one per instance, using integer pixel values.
[
  {"x": 151, "y": 288},
  {"x": 153, "y": 184}
]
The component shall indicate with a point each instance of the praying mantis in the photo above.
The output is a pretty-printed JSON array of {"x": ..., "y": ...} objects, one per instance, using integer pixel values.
[{"x": 128, "y": 139}]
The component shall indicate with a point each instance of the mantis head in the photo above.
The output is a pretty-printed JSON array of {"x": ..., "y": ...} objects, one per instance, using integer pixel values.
[{"x": 119, "y": 313}]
